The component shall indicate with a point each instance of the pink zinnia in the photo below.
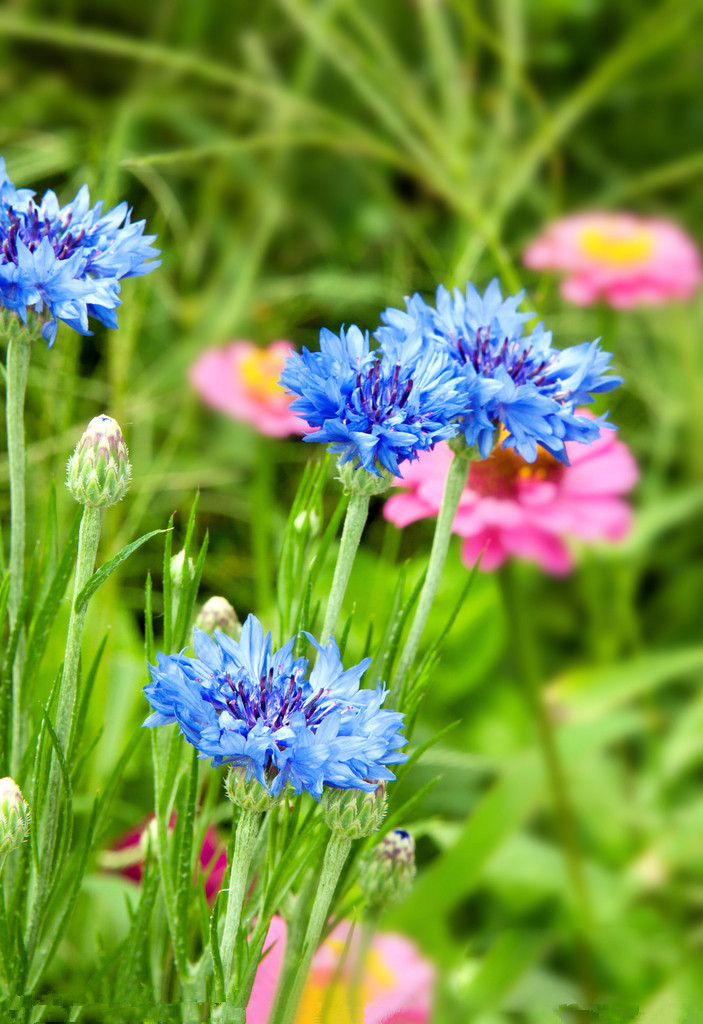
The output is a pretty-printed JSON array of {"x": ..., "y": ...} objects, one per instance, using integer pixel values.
[
  {"x": 529, "y": 510},
  {"x": 396, "y": 982},
  {"x": 621, "y": 258},
  {"x": 242, "y": 381}
]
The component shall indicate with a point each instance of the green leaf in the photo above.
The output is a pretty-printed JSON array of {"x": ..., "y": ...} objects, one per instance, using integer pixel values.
[
  {"x": 512, "y": 954},
  {"x": 166, "y": 587},
  {"x": 105, "y": 571},
  {"x": 596, "y": 690},
  {"x": 45, "y": 616},
  {"x": 87, "y": 690},
  {"x": 215, "y": 951}
]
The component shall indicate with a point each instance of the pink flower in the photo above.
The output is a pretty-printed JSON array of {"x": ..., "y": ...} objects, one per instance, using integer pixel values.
[
  {"x": 511, "y": 507},
  {"x": 396, "y": 985},
  {"x": 126, "y": 856},
  {"x": 621, "y": 258},
  {"x": 242, "y": 381}
]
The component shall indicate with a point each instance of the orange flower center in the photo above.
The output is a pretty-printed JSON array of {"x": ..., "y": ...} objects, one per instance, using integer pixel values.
[
  {"x": 260, "y": 370},
  {"x": 498, "y": 475},
  {"x": 617, "y": 244}
]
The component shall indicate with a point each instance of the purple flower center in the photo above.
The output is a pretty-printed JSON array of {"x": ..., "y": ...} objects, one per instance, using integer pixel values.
[
  {"x": 31, "y": 228},
  {"x": 376, "y": 397},
  {"x": 516, "y": 358},
  {"x": 273, "y": 702}
]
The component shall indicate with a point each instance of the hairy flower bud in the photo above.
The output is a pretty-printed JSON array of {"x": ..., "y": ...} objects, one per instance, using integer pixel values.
[
  {"x": 218, "y": 613},
  {"x": 249, "y": 794},
  {"x": 362, "y": 481},
  {"x": 99, "y": 470},
  {"x": 354, "y": 813},
  {"x": 386, "y": 872},
  {"x": 14, "y": 816}
]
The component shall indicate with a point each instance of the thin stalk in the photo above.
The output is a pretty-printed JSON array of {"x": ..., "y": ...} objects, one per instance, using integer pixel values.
[
  {"x": 524, "y": 652},
  {"x": 456, "y": 481},
  {"x": 88, "y": 540},
  {"x": 335, "y": 857},
  {"x": 354, "y": 522},
  {"x": 244, "y": 843},
  {"x": 18, "y": 353}
]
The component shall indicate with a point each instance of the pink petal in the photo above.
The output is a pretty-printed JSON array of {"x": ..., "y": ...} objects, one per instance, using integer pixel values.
[
  {"x": 402, "y": 509},
  {"x": 488, "y": 546},
  {"x": 537, "y": 546},
  {"x": 610, "y": 471},
  {"x": 268, "y": 972}
]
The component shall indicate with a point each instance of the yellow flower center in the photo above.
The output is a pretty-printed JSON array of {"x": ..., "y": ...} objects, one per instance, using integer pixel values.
[
  {"x": 260, "y": 371},
  {"x": 617, "y": 244},
  {"x": 328, "y": 1000}
]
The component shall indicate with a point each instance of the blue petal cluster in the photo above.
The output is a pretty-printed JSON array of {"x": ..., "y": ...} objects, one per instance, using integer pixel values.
[
  {"x": 377, "y": 407},
  {"x": 241, "y": 703},
  {"x": 530, "y": 389},
  {"x": 67, "y": 261}
]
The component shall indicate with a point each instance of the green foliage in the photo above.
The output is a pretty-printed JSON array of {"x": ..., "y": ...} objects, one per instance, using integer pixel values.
[{"x": 306, "y": 164}]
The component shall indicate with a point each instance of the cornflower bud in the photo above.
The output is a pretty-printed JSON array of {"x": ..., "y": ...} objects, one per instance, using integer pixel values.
[
  {"x": 218, "y": 613},
  {"x": 354, "y": 813},
  {"x": 362, "y": 481},
  {"x": 249, "y": 794},
  {"x": 14, "y": 816},
  {"x": 98, "y": 472},
  {"x": 386, "y": 872}
]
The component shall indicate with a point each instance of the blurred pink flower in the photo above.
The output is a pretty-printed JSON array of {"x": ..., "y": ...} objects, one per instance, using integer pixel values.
[
  {"x": 621, "y": 258},
  {"x": 396, "y": 987},
  {"x": 511, "y": 507},
  {"x": 242, "y": 381},
  {"x": 126, "y": 856}
]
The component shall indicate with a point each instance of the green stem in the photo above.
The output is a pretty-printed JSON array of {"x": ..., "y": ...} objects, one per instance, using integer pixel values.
[
  {"x": 244, "y": 844},
  {"x": 88, "y": 540},
  {"x": 335, "y": 857},
  {"x": 524, "y": 652},
  {"x": 354, "y": 522},
  {"x": 260, "y": 518},
  {"x": 18, "y": 353},
  {"x": 456, "y": 481}
]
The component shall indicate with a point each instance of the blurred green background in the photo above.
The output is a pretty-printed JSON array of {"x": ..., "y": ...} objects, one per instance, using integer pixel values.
[{"x": 307, "y": 164}]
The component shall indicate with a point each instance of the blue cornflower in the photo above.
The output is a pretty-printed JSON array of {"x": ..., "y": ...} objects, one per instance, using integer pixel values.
[
  {"x": 67, "y": 261},
  {"x": 377, "y": 407},
  {"x": 241, "y": 703},
  {"x": 527, "y": 387}
]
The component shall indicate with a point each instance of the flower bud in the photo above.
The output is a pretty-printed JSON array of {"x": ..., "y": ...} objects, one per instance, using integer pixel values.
[
  {"x": 14, "y": 816},
  {"x": 353, "y": 812},
  {"x": 386, "y": 872},
  {"x": 99, "y": 470},
  {"x": 363, "y": 482},
  {"x": 218, "y": 613},
  {"x": 308, "y": 519},
  {"x": 175, "y": 568},
  {"x": 248, "y": 793}
]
